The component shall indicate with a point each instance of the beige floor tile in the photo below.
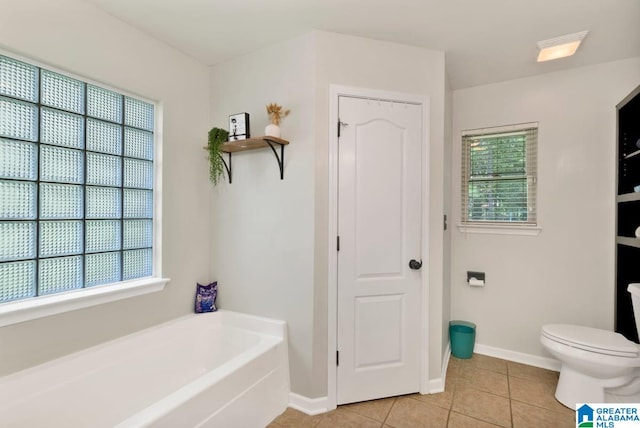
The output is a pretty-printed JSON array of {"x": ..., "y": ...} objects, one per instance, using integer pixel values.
[
  {"x": 484, "y": 380},
  {"x": 527, "y": 416},
  {"x": 409, "y": 413},
  {"x": 532, "y": 373},
  {"x": 482, "y": 405},
  {"x": 453, "y": 373},
  {"x": 440, "y": 399},
  {"x": 292, "y": 418},
  {"x": 454, "y": 362},
  {"x": 374, "y": 409},
  {"x": 538, "y": 393},
  {"x": 476, "y": 396},
  {"x": 344, "y": 418},
  {"x": 487, "y": 363},
  {"x": 457, "y": 420}
]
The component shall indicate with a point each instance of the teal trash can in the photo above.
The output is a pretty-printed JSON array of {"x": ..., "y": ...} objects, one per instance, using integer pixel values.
[{"x": 462, "y": 335}]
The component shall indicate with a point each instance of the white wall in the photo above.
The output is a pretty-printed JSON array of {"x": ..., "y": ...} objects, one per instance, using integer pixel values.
[
  {"x": 262, "y": 227},
  {"x": 566, "y": 274},
  {"x": 74, "y": 36},
  {"x": 270, "y": 237}
]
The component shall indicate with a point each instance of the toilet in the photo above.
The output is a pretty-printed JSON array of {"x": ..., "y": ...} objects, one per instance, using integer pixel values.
[{"x": 598, "y": 366}]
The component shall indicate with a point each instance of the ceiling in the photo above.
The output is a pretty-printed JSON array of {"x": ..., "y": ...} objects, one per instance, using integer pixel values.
[{"x": 484, "y": 41}]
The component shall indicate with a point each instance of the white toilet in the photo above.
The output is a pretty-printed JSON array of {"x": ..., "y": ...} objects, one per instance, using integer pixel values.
[{"x": 598, "y": 366}]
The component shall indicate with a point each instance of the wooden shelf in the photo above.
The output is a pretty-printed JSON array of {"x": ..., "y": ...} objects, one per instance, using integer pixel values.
[
  {"x": 629, "y": 197},
  {"x": 251, "y": 144},
  {"x": 630, "y": 242},
  {"x": 231, "y": 147}
]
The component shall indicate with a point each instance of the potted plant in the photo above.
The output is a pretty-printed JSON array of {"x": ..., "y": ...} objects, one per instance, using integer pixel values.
[{"x": 217, "y": 137}]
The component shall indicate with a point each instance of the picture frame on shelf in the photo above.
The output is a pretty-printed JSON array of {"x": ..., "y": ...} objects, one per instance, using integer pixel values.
[{"x": 239, "y": 127}]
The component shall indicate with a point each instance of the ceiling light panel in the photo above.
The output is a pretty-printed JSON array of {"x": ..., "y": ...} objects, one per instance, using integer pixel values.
[{"x": 560, "y": 47}]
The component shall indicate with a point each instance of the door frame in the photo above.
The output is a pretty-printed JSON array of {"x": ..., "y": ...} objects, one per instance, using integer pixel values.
[{"x": 335, "y": 91}]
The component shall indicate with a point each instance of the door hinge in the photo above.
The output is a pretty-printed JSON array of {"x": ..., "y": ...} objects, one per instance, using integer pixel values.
[
  {"x": 338, "y": 243},
  {"x": 445, "y": 222},
  {"x": 340, "y": 125},
  {"x": 337, "y": 358}
]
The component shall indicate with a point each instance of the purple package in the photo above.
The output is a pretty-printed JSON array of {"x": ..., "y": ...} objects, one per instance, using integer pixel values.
[{"x": 206, "y": 297}]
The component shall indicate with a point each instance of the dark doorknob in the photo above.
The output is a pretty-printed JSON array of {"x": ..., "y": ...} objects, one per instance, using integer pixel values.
[{"x": 415, "y": 265}]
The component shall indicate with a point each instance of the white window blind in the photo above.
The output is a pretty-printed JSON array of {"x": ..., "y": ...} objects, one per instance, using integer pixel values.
[
  {"x": 76, "y": 184},
  {"x": 499, "y": 175}
]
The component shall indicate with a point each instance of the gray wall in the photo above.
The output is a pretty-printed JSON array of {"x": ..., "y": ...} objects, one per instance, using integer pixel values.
[
  {"x": 75, "y": 36},
  {"x": 566, "y": 273},
  {"x": 270, "y": 237}
]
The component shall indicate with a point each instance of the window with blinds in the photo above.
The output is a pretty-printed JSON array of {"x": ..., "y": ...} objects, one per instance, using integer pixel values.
[
  {"x": 499, "y": 175},
  {"x": 76, "y": 183}
]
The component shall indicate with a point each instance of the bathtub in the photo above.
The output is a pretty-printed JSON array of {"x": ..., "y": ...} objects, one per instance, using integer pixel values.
[{"x": 221, "y": 369}]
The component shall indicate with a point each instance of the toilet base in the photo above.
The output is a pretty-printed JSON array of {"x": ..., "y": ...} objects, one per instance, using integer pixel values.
[
  {"x": 575, "y": 387},
  {"x": 627, "y": 393}
]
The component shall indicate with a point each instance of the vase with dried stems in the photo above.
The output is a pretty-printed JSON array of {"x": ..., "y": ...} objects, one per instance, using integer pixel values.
[{"x": 276, "y": 114}]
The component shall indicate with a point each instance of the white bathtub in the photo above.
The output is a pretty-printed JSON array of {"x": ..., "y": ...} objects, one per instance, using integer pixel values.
[{"x": 221, "y": 369}]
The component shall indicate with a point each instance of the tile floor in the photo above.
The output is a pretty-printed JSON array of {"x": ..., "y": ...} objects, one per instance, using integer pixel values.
[{"x": 481, "y": 392}]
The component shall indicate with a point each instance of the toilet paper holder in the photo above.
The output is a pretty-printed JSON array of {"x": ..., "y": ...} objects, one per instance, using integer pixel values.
[{"x": 480, "y": 276}]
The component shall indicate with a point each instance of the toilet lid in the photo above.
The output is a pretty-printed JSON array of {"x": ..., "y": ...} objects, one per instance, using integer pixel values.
[{"x": 591, "y": 339}]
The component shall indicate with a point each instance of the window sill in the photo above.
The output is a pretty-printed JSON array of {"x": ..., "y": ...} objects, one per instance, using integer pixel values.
[
  {"x": 30, "y": 309},
  {"x": 500, "y": 229}
]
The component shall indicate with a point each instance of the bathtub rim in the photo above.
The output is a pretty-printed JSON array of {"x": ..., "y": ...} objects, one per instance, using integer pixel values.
[
  {"x": 273, "y": 338},
  {"x": 275, "y": 327},
  {"x": 176, "y": 399}
]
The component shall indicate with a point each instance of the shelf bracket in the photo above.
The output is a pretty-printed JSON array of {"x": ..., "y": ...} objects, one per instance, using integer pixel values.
[
  {"x": 227, "y": 166},
  {"x": 279, "y": 158}
]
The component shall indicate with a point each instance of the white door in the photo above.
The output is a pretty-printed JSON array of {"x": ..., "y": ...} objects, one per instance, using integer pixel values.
[{"x": 379, "y": 218}]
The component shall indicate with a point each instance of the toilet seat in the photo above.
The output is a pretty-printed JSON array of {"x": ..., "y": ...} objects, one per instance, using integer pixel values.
[{"x": 591, "y": 339}]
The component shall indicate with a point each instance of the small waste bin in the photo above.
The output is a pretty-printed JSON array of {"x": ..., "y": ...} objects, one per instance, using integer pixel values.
[{"x": 462, "y": 335}]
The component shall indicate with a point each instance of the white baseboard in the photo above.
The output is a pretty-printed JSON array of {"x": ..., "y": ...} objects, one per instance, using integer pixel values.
[
  {"x": 437, "y": 385},
  {"x": 518, "y": 357},
  {"x": 315, "y": 406},
  {"x": 310, "y": 406},
  {"x": 445, "y": 360}
]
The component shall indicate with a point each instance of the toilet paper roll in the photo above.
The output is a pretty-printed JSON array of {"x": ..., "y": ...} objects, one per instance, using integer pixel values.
[
  {"x": 638, "y": 232},
  {"x": 474, "y": 282}
]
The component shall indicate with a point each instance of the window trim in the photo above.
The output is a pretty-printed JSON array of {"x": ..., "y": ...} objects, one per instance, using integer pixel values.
[
  {"x": 501, "y": 229},
  {"x": 38, "y": 307},
  {"x": 22, "y": 310},
  {"x": 496, "y": 227}
]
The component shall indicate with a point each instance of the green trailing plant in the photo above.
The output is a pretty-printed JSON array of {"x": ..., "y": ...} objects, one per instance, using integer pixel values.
[{"x": 217, "y": 137}]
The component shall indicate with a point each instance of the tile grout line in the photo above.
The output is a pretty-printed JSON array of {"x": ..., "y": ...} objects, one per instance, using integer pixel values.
[
  {"x": 470, "y": 416},
  {"x": 540, "y": 407},
  {"x": 360, "y": 415},
  {"x": 453, "y": 395},
  {"x": 384, "y": 422},
  {"x": 509, "y": 392}
]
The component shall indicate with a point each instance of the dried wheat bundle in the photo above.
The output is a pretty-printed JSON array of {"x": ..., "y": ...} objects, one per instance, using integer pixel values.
[{"x": 276, "y": 113}]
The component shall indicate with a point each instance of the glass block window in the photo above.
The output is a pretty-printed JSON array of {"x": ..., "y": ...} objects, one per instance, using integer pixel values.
[{"x": 76, "y": 183}]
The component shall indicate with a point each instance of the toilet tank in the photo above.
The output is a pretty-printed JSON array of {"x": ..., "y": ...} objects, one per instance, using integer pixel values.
[{"x": 634, "y": 289}]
